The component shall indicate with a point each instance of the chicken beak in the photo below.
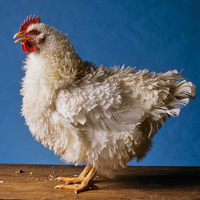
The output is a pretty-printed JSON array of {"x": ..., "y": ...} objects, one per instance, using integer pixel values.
[{"x": 19, "y": 34}]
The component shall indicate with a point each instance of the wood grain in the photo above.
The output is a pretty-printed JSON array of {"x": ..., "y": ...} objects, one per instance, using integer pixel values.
[{"x": 151, "y": 183}]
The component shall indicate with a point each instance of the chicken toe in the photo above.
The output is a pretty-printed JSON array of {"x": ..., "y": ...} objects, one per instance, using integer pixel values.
[
  {"x": 78, "y": 179},
  {"x": 85, "y": 184}
]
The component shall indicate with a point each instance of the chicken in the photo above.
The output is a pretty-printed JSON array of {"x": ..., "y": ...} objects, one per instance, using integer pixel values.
[{"x": 101, "y": 116}]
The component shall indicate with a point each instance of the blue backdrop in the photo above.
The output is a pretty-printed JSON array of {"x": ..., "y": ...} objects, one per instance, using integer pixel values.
[{"x": 159, "y": 35}]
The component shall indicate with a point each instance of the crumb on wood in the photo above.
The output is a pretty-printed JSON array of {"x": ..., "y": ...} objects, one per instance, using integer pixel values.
[
  {"x": 19, "y": 171},
  {"x": 50, "y": 178},
  {"x": 2, "y": 181}
]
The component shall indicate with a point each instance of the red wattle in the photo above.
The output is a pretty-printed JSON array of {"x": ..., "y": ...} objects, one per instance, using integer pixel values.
[
  {"x": 23, "y": 48},
  {"x": 27, "y": 47}
]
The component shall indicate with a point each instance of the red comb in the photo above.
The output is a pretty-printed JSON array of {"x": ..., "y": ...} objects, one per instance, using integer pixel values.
[{"x": 28, "y": 22}]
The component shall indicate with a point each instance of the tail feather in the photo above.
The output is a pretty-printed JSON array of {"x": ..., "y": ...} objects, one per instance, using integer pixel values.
[{"x": 180, "y": 91}]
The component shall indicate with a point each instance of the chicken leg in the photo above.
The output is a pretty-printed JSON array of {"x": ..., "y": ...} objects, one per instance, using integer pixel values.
[{"x": 84, "y": 180}]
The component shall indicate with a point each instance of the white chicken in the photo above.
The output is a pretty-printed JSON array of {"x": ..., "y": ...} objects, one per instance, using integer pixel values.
[{"x": 95, "y": 115}]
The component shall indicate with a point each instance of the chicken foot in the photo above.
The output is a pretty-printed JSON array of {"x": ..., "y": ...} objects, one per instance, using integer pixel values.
[
  {"x": 84, "y": 180},
  {"x": 78, "y": 179}
]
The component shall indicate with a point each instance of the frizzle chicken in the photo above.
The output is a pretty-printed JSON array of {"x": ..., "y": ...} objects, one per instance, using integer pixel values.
[{"x": 95, "y": 115}]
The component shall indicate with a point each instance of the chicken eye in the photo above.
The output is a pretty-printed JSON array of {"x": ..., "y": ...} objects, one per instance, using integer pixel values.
[{"x": 34, "y": 32}]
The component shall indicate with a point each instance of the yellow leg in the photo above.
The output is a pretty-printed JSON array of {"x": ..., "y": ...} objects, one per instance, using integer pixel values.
[
  {"x": 84, "y": 185},
  {"x": 78, "y": 179}
]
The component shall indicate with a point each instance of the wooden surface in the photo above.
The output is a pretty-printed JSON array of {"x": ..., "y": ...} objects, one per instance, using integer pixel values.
[{"x": 140, "y": 183}]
